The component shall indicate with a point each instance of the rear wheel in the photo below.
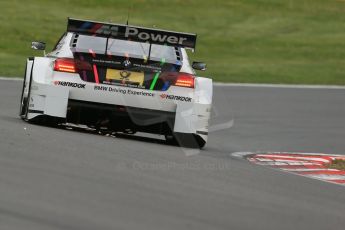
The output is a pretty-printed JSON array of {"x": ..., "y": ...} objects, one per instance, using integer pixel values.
[
  {"x": 48, "y": 121},
  {"x": 23, "y": 110},
  {"x": 185, "y": 140}
]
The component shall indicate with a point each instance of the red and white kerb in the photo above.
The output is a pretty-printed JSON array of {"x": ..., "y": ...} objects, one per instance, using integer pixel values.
[{"x": 311, "y": 165}]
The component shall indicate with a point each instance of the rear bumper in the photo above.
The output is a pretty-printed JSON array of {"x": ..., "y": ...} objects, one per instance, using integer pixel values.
[
  {"x": 51, "y": 95},
  {"x": 55, "y": 101},
  {"x": 120, "y": 118}
]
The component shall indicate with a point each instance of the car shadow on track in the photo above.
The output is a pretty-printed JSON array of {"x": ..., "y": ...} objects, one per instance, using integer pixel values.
[{"x": 134, "y": 137}]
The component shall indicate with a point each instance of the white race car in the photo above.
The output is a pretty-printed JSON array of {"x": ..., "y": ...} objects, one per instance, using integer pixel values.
[{"x": 120, "y": 78}]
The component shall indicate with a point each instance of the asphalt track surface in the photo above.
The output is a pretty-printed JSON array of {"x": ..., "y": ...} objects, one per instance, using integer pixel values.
[{"x": 61, "y": 179}]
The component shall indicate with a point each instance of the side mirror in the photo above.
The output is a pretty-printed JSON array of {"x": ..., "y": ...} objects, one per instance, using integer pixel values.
[
  {"x": 199, "y": 66},
  {"x": 38, "y": 45}
]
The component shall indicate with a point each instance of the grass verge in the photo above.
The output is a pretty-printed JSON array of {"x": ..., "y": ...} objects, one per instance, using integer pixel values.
[
  {"x": 337, "y": 164},
  {"x": 248, "y": 41}
]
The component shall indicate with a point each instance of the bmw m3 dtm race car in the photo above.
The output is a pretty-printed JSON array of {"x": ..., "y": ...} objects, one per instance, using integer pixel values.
[{"x": 120, "y": 78}]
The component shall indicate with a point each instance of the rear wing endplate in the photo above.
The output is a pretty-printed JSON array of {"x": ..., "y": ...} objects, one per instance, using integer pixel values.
[{"x": 132, "y": 33}]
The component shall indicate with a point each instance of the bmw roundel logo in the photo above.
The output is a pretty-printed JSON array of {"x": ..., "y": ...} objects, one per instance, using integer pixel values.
[{"x": 126, "y": 63}]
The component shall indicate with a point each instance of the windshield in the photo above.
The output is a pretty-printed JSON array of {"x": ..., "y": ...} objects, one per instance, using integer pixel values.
[{"x": 124, "y": 48}]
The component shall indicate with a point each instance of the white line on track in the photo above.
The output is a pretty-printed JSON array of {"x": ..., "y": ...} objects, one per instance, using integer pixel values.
[
  {"x": 326, "y": 176},
  {"x": 293, "y": 158},
  {"x": 309, "y": 170},
  {"x": 11, "y": 79},
  {"x": 220, "y": 84}
]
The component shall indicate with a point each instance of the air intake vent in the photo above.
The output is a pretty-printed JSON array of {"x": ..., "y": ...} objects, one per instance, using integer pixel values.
[{"x": 74, "y": 40}]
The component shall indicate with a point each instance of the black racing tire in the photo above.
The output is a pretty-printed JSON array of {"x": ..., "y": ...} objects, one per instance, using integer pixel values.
[
  {"x": 45, "y": 120},
  {"x": 23, "y": 110},
  {"x": 171, "y": 140},
  {"x": 186, "y": 140}
]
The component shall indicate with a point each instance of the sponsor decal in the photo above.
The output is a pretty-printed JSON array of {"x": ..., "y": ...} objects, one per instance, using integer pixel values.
[
  {"x": 109, "y": 89},
  {"x": 124, "y": 84},
  {"x": 31, "y": 104},
  {"x": 176, "y": 98},
  {"x": 107, "y": 62},
  {"x": 148, "y": 67},
  {"x": 140, "y": 93},
  {"x": 123, "y": 91},
  {"x": 154, "y": 36},
  {"x": 106, "y": 30},
  {"x": 126, "y": 32},
  {"x": 70, "y": 84},
  {"x": 125, "y": 75}
]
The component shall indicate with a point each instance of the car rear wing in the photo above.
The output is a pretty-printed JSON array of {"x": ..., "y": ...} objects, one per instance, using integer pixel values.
[{"x": 132, "y": 33}]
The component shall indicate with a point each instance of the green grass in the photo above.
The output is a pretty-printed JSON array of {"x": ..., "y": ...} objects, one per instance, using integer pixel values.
[
  {"x": 261, "y": 41},
  {"x": 337, "y": 164}
]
